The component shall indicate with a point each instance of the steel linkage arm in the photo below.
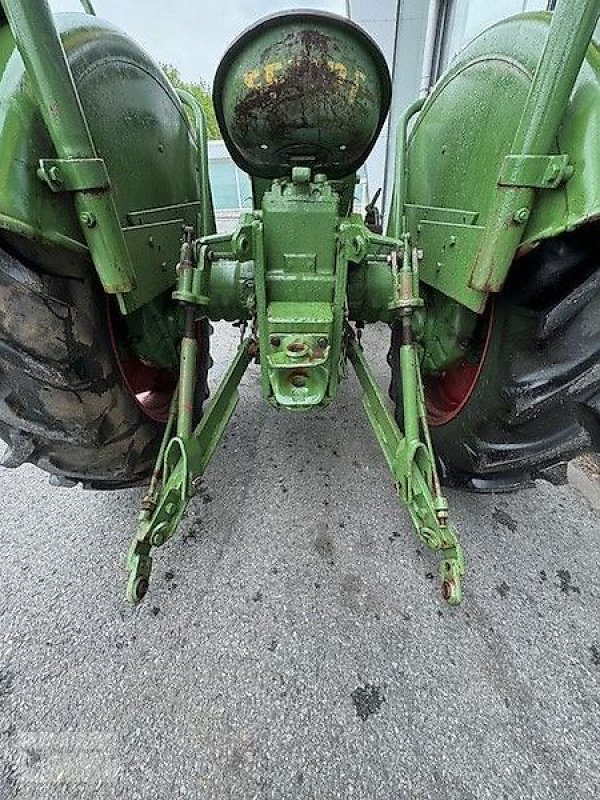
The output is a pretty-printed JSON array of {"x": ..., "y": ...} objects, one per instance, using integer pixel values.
[
  {"x": 412, "y": 464},
  {"x": 409, "y": 452},
  {"x": 182, "y": 461},
  {"x": 183, "y": 458}
]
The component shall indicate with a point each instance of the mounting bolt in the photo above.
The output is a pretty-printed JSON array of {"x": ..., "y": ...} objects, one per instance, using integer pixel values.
[
  {"x": 521, "y": 216},
  {"x": 87, "y": 219},
  {"x": 323, "y": 342},
  {"x": 275, "y": 341},
  {"x": 298, "y": 380},
  {"x": 54, "y": 176}
]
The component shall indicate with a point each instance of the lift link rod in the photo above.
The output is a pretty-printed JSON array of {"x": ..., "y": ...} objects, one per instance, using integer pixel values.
[
  {"x": 409, "y": 454},
  {"x": 184, "y": 461}
]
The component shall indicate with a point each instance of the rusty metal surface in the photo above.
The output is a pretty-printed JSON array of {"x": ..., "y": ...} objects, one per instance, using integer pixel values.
[{"x": 301, "y": 89}]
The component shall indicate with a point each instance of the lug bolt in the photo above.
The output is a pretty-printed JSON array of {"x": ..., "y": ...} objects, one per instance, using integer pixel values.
[
  {"x": 87, "y": 219},
  {"x": 298, "y": 380},
  {"x": 521, "y": 216}
]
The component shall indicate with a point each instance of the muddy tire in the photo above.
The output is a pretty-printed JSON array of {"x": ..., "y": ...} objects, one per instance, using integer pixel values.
[
  {"x": 535, "y": 403},
  {"x": 64, "y": 405}
]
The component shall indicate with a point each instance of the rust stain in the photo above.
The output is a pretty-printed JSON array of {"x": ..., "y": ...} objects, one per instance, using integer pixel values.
[
  {"x": 307, "y": 82},
  {"x": 298, "y": 378},
  {"x": 283, "y": 104},
  {"x": 313, "y": 40}
]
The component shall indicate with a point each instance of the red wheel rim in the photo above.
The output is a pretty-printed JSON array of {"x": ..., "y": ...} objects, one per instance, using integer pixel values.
[
  {"x": 151, "y": 387},
  {"x": 448, "y": 393}
]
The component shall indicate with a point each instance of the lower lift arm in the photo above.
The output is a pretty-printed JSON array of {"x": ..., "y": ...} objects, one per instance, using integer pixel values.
[
  {"x": 412, "y": 464},
  {"x": 181, "y": 461},
  {"x": 409, "y": 453}
]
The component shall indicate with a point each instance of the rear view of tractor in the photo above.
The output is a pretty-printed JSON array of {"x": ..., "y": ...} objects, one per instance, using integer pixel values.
[{"x": 111, "y": 268}]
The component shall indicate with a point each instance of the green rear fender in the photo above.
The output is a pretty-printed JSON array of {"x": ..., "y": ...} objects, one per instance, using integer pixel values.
[
  {"x": 139, "y": 128},
  {"x": 462, "y": 135}
]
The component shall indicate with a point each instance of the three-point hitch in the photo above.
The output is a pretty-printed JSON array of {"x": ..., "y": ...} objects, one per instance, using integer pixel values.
[{"x": 293, "y": 281}]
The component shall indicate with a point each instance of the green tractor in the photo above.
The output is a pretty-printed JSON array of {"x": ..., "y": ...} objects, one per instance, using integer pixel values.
[{"x": 111, "y": 268}]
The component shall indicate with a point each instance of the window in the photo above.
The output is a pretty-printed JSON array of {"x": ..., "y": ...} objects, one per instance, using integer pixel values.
[
  {"x": 224, "y": 185},
  {"x": 231, "y": 187},
  {"x": 467, "y": 18},
  {"x": 245, "y": 189}
]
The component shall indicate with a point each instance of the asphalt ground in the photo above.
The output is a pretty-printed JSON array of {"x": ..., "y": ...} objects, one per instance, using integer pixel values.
[{"x": 293, "y": 643}]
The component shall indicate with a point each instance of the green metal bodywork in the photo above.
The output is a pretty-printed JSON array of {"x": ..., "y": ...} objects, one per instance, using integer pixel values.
[
  {"x": 300, "y": 292},
  {"x": 148, "y": 154},
  {"x": 299, "y": 267},
  {"x": 461, "y": 138}
]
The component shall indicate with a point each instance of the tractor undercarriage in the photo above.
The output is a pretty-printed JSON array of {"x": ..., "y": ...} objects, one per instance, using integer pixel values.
[{"x": 111, "y": 269}]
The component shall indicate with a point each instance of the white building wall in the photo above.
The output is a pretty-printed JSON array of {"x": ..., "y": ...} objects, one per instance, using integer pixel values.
[{"x": 379, "y": 20}]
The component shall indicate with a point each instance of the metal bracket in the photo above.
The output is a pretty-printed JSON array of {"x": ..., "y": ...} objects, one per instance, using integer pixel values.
[
  {"x": 74, "y": 174},
  {"x": 535, "y": 172}
]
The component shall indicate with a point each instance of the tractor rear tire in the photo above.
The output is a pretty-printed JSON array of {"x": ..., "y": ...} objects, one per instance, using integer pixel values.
[
  {"x": 535, "y": 400},
  {"x": 64, "y": 403}
]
